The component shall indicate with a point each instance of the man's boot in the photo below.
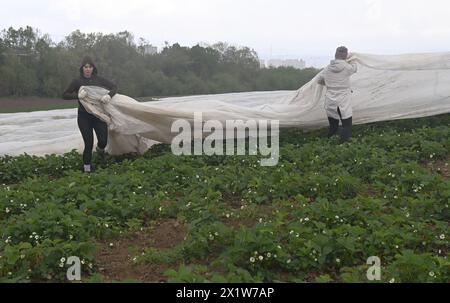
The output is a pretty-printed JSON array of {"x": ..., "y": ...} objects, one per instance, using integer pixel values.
[
  {"x": 334, "y": 126},
  {"x": 346, "y": 133}
]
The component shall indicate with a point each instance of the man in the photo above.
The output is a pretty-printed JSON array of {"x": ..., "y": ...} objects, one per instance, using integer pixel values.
[{"x": 336, "y": 77}]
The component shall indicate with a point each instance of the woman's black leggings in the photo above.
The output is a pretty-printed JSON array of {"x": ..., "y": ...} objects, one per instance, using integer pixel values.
[{"x": 87, "y": 123}]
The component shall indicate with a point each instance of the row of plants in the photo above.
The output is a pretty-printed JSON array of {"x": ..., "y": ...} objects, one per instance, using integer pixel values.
[{"x": 315, "y": 217}]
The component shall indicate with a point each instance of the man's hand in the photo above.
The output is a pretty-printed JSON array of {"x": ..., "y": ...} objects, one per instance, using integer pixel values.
[
  {"x": 105, "y": 99},
  {"x": 82, "y": 94},
  {"x": 351, "y": 57}
]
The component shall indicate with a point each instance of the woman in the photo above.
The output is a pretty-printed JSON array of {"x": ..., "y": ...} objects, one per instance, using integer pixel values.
[{"x": 86, "y": 121}]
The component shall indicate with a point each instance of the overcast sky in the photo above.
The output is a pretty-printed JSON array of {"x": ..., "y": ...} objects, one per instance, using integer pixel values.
[{"x": 274, "y": 28}]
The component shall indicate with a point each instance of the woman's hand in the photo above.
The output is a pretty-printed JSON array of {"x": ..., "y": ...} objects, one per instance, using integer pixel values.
[
  {"x": 82, "y": 94},
  {"x": 105, "y": 99}
]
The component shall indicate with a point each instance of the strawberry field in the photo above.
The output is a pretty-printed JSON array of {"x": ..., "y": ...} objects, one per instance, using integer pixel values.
[{"x": 316, "y": 217}]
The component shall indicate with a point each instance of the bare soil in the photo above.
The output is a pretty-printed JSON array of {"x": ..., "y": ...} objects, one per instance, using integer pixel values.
[{"x": 116, "y": 264}]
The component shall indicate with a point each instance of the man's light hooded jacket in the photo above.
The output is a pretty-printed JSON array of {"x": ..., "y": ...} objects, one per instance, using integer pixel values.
[{"x": 336, "y": 77}]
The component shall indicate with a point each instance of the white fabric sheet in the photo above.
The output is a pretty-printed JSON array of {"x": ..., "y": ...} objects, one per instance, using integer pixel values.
[{"x": 384, "y": 88}]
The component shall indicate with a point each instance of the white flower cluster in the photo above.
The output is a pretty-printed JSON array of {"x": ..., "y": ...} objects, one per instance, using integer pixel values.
[
  {"x": 213, "y": 236},
  {"x": 36, "y": 237},
  {"x": 297, "y": 235},
  {"x": 62, "y": 260},
  {"x": 8, "y": 240},
  {"x": 304, "y": 220},
  {"x": 416, "y": 188},
  {"x": 260, "y": 257}
]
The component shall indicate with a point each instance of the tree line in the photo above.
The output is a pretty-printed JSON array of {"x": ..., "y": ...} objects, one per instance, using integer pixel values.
[{"x": 31, "y": 64}]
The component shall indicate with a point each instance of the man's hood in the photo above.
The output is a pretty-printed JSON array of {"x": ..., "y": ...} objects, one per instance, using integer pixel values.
[{"x": 337, "y": 66}]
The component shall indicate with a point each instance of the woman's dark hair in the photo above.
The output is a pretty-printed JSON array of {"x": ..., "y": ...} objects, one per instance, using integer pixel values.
[{"x": 88, "y": 60}]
